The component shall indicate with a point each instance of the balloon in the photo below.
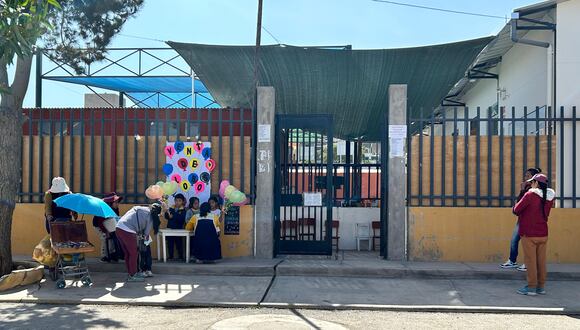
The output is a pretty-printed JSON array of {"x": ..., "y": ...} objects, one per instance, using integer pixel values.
[
  {"x": 182, "y": 163},
  {"x": 154, "y": 192},
  {"x": 178, "y": 146},
  {"x": 169, "y": 151},
  {"x": 167, "y": 169},
  {"x": 189, "y": 151},
  {"x": 193, "y": 178},
  {"x": 206, "y": 153},
  {"x": 223, "y": 186},
  {"x": 229, "y": 191},
  {"x": 194, "y": 163},
  {"x": 174, "y": 177},
  {"x": 174, "y": 187},
  {"x": 237, "y": 197},
  {"x": 244, "y": 202},
  {"x": 185, "y": 185},
  {"x": 198, "y": 147},
  {"x": 205, "y": 177},
  {"x": 199, "y": 186},
  {"x": 160, "y": 183},
  {"x": 167, "y": 188},
  {"x": 210, "y": 164}
]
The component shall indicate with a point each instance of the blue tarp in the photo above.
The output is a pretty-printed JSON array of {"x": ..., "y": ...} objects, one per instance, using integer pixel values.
[{"x": 137, "y": 84}]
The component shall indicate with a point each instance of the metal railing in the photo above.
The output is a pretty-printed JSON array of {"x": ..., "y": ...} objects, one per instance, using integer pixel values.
[{"x": 100, "y": 150}]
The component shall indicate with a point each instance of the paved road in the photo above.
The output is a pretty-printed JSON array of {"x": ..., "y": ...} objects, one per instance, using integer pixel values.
[{"x": 28, "y": 316}]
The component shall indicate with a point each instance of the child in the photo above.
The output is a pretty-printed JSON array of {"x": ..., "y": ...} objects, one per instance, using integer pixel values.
[
  {"x": 206, "y": 243},
  {"x": 215, "y": 208},
  {"x": 193, "y": 208},
  {"x": 176, "y": 220}
]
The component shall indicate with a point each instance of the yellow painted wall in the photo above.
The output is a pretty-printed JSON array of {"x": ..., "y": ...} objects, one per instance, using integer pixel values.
[
  {"x": 483, "y": 234},
  {"x": 28, "y": 229}
]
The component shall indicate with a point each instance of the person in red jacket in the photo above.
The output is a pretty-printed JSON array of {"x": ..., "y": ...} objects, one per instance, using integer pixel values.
[{"x": 533, "y": 211}]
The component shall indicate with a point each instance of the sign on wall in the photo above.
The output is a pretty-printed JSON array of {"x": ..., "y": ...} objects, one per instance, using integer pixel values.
[{"x": 190, "y": 165}]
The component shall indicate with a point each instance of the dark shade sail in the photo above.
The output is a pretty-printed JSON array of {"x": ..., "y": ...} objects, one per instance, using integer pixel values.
[{"x": 352, "y": 85}]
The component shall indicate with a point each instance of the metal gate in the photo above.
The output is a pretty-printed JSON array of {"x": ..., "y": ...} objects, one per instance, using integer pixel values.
[{"x": 303, "y": 187}]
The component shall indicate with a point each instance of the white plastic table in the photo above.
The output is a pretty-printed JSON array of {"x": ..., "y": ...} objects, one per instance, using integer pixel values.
[{"x": 164, "y": 233}]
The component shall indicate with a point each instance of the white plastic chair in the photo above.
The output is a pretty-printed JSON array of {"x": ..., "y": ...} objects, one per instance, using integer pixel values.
[{"x": 363, "y": 233}]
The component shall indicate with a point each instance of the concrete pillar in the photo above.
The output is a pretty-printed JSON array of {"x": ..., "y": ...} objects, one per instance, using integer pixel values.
[
  {"x": 397, "y": 186},
  {"x": 264, "y": 208}
]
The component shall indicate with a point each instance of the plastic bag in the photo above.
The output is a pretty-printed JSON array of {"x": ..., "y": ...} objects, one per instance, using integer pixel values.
[{"x": 44, "y": 254}]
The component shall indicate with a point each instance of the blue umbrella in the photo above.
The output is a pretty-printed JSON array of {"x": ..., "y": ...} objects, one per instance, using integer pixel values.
[{"x": 86, "y": 204}]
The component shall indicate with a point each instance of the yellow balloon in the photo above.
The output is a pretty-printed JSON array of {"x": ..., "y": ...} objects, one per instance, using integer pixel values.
[{"x": 185, "y": 185}]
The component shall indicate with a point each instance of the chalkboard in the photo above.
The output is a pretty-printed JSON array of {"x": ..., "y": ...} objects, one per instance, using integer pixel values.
[{"x": 232, "y": 221}]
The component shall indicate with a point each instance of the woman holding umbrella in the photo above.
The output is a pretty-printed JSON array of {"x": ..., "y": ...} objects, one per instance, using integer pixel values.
[
  {"x": 105, "y": 228},
  {"x": 133, "y": 227},
  {"x": 53, "y": 212}
]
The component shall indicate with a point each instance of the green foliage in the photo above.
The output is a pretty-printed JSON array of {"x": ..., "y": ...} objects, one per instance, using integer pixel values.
[{"x": 84, "y": 28}]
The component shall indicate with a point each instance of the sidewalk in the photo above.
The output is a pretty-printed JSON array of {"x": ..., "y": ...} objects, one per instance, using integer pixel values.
[{"x": 455, "y": 295}]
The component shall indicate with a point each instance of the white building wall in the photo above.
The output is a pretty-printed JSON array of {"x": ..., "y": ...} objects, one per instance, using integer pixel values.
[{"x": 568, "y": 91}]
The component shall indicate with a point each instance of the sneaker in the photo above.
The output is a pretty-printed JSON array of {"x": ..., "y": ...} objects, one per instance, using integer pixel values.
[
  {"x": 526, "y": 292},
  {"x": 509, "y": 264},
  {"x": 522, "y": 268},
  {"x": 135, "y": 278},
  {"x": 105, "y": 260},
  {"x": 148, "y": 273},
  {"x": 540, "y": 291}
]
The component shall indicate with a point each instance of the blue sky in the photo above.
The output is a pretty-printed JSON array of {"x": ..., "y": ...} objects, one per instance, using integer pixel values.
[{"x": 360, "y": 23}]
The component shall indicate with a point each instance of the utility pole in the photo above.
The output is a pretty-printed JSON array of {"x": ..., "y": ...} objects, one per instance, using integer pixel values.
[{"x": 255, "y": 105}]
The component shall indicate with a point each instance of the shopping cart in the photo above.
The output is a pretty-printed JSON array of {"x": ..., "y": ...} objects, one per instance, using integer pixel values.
[{"x": 70, "y": 242}]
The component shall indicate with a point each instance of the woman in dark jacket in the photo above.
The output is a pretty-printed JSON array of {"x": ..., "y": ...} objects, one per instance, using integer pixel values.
[
  {"x": 533, "y": 211},
  {"x": 52, "y": 212}
]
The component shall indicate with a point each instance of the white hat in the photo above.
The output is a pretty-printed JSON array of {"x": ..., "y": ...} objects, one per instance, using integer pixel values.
[{"x": 59, "y": 185}]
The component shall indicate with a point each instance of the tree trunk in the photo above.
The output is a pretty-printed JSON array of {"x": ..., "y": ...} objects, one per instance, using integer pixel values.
[
  {"x": 10, "y": 146},
  {"x": 10, "y": 153}
]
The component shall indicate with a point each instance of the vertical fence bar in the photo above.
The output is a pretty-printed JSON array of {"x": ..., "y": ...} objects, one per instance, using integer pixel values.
[
  {"x": 500, "y": 158},
  {"x": 525, "y": 141},
  {"x": 220, "y": 156},
  {"x": 102, "y": 133},
  {"x": 92, "y": 155},
  {"x": 82, "y": 149},
  {"x": 51, "y": 148},
  {"x": 549, "y": 125},
  {"x": 478, "y": 158},
  {"x": 513, "y": 155},
  {"x": 125, "y": 144},
  {"x": 489, "y": 155},
  {"x": 232, "y": 146},
  {"x": 156, "y": 143},
  {"x": 443, "y": 154},
  {"x": 537, "y": 146},
  {"x": 242, "y": 150},
  {"x": 431, "y": 158},
  {"x": 40, "y": 150},
  {"x": 466, "y": 156},
  {"x": 146, "y": 137},
  {"x": 455, "y": 134},
  {"x": 30, "y": 153},
  {"x": 574, "y": 143},
  {"x": 61, "y": 142},
  {"x": 72, "y": 147},
  {"x": 421, "y": 123},
  {"x": 135, "y": 156},
  {"x": 562, "y": 158}
]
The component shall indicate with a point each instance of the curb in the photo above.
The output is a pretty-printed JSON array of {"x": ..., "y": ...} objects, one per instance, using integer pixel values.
[{"x": 385, "y": 308}]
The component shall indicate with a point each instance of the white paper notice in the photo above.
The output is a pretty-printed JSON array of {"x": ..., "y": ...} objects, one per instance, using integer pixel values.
[
  {"x": 396, "y": 147},
  {"x": 312, "y": 199},
  {"x": 264, "y": 133},
  {"x": 397, "y": 131}
]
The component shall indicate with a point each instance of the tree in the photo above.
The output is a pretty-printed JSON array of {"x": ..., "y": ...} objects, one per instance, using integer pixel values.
[{"x": 64, "y": 27}]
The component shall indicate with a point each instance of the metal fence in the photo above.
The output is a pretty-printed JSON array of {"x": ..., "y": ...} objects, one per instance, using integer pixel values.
[
  {"x": 477, "y": 157},
  {"x": 121, "y": 149}
]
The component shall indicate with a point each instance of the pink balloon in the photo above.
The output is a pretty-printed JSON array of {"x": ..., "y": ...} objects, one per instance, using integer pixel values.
[
  {"x": 223, "y": 186},
  {"x": 210, "y": 164},
  {"x": 198, "y": 147},
  {"x": 169, "y": 151},
  {"x": 199, "y": 187},
  {"x": 176, "y": 178}
]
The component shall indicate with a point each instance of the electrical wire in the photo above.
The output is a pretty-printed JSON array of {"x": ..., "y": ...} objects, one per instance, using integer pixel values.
[
  {"x": 439, "y": 9},
  {"x": 138, "y": 37},
  {"x": 271, "y": 35}
]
